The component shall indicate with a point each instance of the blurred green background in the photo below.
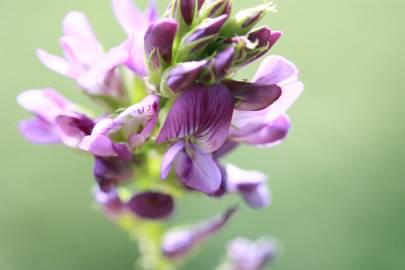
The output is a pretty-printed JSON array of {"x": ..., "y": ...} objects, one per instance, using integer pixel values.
[{"x": 338, "y": 181}]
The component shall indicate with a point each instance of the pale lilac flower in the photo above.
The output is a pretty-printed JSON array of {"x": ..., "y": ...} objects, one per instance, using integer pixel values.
[
  {"x": 269, "y": 126},
  {"x": 135, "y": 23},
  {"x": 56, "y": 119},
  {"x": 178, "y": 243},
  {"x": 251, "y": 185},
  {"x": 135, "y": 124},
  {"x": 82, "y": 51},
  {"x": 151, "y": 205},
  {"x": 244, "y": 254}
]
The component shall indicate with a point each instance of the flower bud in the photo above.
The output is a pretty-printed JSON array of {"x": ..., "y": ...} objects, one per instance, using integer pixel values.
[
  {"x": 182, "y": 76},
  {"x": 197, "y": 41},
  {"x": 109, "y": 172},
  {"x": 159, "y": 43},
  {"x": 245, "y": 20},
  {"x": 151, "y": 205},
  {"x": 219, "y": 66},
  {"x": 215, "y": 8}
]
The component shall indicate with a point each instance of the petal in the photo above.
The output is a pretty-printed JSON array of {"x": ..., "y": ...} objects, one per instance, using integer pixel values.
[
  {"x": 178, "y": 243},
  {"x": 245, "y": 254},
  {"x": 198, "y": 170},
  {"x": 47, "y": 103},
  {"x": 72, "y": 128},
  {"x": 267, "y": 133},
  {"x": 77, "y": 26},
  {"x": 129, "y": 16},
  {"x": 253, "y": 96},
  {"x": 110, "y": 172},
  {"x": 203, "y": 112},
  {"x": 98, "y": 145},
  {"x": 152, "y": 205},
  {"x": 109, "y": 200},
  {"x": 38, "y": 131},
  {"x": 55, "y": 63},
  {"x": 209, "y": 27},
  {"x": 169, "y": 157},
  {"x": 275, "y": 70},
  {"x": 250, "y": 184},
  {"x": 160, "y": 36},
  {"x": 225, "y": 149},
  {"x": 183, "y": 75},
  {"x": 101, "y": 79}
]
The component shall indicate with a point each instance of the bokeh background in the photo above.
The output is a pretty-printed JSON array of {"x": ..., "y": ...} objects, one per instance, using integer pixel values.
[{"x": 338, "y": 181}]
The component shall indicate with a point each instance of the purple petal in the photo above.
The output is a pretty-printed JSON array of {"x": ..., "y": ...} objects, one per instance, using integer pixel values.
[
  {"x": 208, "y": 28},
  {"x": 39, "y": 132},
  {"x": 56, "y": 63},
  {"x": 183, "y": 75},
  {"x": 198, "y": 170},
  {"x": 203, "y": 112},
  {"x": 151, "y": 205},
  {"x": 72, "y": 128},
  {"x": 178, "y": 243},
  {"x": 79, "y": 41},
  {"x": 47, "y": 104},
  {"x": 160, "y": 37},
  {"x": 225, "y": 149},
  {"x": 102, "y": 79},
  {"x": 188, "y": 10},
  {"x": 250, "y": 184},
  {"x": 247, "y": 255},
  {"x": 110, "y": 201},
  {"x": 263, "y": 133},
  {"x": 110, "y": 172},
  {"x": 129, "y": 16},
  {"x": 253, "y": 96},
  {"x": 169, "y": 157},
  {"x": 223, "y": 62},
  {"x": 103, "y": 146},
  {"x": 275, "y": 70}
]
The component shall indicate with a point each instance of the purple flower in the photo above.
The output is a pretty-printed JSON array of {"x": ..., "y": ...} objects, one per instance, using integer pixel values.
[
  {"x": 251, "y": 185},
  {"x": 112, "y": 171},
  {"x": 136, "y": 124},
  {"x": 178, "y": 243},
  {"x": 201, "y": 115},
  {"x": 269, "y": 126},
  {"x": 56, "y": 119},
  {"x": 159, "y": 40},
  {"x": 183, "y": 75},
  {"x": 244, "y": 254},
  {"x": 194, "y": 168},
  {"x": 151, "y": 205},
  {"x": 109, "y": 201},
  {"x": 82, "y": 51},
  {"x": 135, "y": 23}
]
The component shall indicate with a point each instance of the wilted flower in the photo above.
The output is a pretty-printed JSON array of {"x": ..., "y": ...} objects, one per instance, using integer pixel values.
[{"x": 170, "y": 102}]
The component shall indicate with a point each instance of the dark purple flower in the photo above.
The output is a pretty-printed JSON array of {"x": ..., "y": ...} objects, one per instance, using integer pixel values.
[
  {"x": 159, "y": 40},
  {"x": 151, "y": 205},
  {"x": 112, "y": 171},
  {"x": 244, "y": 254},
  {"x": 202, "y": 114},
  {"x": 219, "y": 66},
  {"x": 251, "y": 185},
  {"x": 178, "y": 243}
]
